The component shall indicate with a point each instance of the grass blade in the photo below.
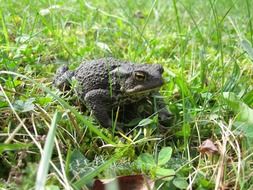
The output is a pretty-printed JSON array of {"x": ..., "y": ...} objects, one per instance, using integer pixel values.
[
  {"x": 248, "y": 48},
  {"x": 10, "y": 147},
  {"x": 46, "y": 155}
]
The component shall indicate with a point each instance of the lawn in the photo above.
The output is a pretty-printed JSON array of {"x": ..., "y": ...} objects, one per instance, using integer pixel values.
[{"x": 206, "y": 50}]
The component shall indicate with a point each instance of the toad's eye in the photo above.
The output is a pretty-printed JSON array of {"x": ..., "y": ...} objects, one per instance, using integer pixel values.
[{"x": 139, "y": 76}]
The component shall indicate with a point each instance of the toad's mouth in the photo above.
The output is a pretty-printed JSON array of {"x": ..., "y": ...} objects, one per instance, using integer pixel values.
[
  {"x": 140, "y": 90},
  {"x": 143, "y": 88}
]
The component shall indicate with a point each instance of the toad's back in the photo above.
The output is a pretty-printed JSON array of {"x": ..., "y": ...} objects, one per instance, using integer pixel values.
[{"x": 95, "y": 74}]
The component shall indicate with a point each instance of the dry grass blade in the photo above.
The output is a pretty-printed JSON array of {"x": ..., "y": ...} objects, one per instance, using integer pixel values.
[{"x": 228, "y": 138}]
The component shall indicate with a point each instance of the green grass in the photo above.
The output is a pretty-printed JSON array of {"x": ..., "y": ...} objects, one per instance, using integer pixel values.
[{"x": 206, "y": 50}]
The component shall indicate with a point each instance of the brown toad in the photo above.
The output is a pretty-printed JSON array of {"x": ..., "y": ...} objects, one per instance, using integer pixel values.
[{"x": 106, "y": 84}]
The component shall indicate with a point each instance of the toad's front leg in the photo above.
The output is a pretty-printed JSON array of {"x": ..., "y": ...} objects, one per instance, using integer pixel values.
[{"x": 99, "y": 101}]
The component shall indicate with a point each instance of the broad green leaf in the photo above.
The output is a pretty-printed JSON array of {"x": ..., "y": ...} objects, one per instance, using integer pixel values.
[
  {"x": 24, "y": 106},
  {"x": 180, "y": 183},
  {"x": 79, "y": 164},
  {"x": 206, "y": 183},
  {"x": 163, "y": 172},
  {"x": 248, "y": 130},
  {"x": 12, "y": 83},
  {"x": 87, "y": 178},
  {"x": 146, "y": 160},
  {"x": 44, "y": 100},
  {"x": 164, "y": 155},
  {"x": 245, "y": 113}
]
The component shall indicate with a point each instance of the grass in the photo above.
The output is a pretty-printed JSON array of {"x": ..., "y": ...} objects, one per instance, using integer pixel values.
[{"x": 206, "y": 50}]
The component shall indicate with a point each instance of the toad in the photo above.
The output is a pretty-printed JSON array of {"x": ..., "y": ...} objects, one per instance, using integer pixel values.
[{"x": 107, "y": 84}]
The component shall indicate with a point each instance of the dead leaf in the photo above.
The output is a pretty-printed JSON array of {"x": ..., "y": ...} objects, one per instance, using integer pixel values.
[
  {"x": 131, "y": 182},
  {"x": 208, "y": 147}
]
